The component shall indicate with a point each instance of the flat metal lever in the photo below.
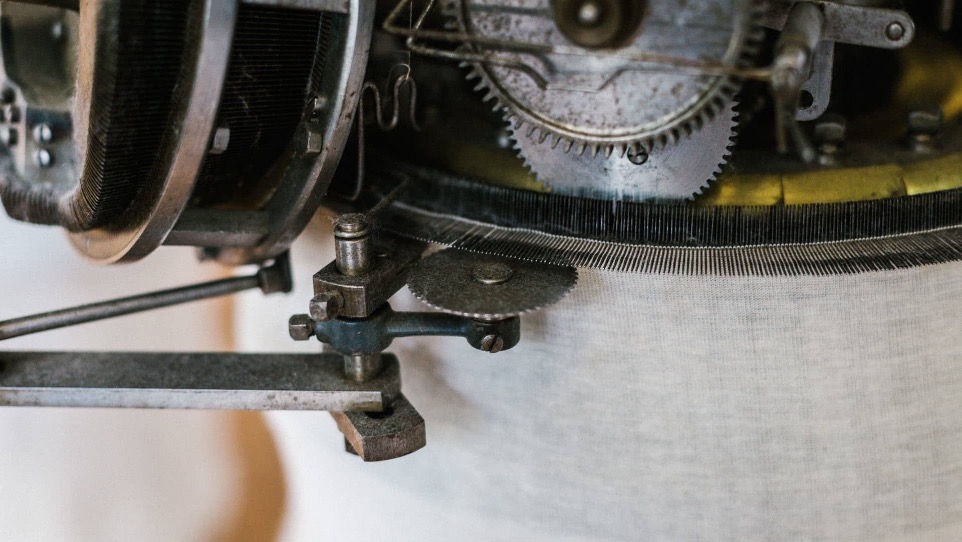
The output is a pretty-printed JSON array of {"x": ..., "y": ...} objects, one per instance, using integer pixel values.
[
  {"x": 192, "y": 380},
  {"x": 270, "y": 279}
]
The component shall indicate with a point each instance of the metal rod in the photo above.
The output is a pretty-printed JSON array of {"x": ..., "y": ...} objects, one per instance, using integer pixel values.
[{"x": 127, "y": 305}]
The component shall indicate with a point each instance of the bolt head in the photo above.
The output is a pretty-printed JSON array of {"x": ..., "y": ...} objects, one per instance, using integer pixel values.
[
  {"x": 324, "y": 306},
  {"x": 492, "y": 344},
  {"x": 492, "y": 273},
  {"x": 351, "y": 225},
  {"x": 895, "y": 31},
  {"x": 637, "y": 157},
  {"x": 300, "y": 327}
]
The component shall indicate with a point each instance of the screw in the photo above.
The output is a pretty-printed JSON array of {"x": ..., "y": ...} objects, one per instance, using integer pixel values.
[
  {"x": 492, "y": 344},
  {"x": 895, "y": 31},
  {"x": 43, "y": 158},
  {"x": 42, "y": 133},
  {"x": 324, "y": 306},
  {"x": 492, "y": 273},
  {"x": 300, "y": 327},
  {"x": 637, "y": 156}
]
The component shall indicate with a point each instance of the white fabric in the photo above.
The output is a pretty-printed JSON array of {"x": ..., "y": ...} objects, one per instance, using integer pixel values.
[
  {"x": 110, "y": 475},
  {"x": 649, "y": 407}
]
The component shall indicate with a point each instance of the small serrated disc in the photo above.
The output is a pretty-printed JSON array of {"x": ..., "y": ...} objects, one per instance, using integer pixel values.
[{"x": 488, "y": 287}]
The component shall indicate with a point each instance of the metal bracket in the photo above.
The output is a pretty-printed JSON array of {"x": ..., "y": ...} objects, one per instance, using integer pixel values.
[
  {"x": 819, "y": 85},
  {"x": 375, "y": 333},
  {"x": 882, "y": 28}
]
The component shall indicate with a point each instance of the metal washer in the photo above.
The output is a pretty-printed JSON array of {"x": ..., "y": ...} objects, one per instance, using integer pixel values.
[{"x": 460, "y": 282}]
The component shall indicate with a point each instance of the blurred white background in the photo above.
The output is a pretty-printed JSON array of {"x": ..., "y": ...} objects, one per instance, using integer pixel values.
[{"x": 105, "y": 475}]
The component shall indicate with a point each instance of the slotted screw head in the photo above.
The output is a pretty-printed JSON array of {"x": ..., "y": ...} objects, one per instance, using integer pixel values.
[{"x": 300, "y": 327}]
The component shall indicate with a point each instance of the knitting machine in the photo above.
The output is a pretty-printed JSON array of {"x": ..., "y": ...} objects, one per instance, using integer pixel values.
[{"x": 529, "y": 137}]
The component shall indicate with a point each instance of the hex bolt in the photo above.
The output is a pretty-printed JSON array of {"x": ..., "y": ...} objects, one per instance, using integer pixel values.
[
  {"x": 354, "y": 248},
  {"x": 325, "y": 306},
  {"x": 300, "y": 327},
  {"x": 42, "y": 133},
  {"x": 492, "y": 344},
  {"x": 895, "y": 31},
  {"x": 43, "y": 158}
]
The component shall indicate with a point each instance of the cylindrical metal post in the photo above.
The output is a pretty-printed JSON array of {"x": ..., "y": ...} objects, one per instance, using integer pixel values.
[
  {"x": 362, "y": 367},
  {"x": 354, "y": 248}
]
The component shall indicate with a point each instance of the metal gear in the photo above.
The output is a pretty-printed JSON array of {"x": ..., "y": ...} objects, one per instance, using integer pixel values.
[
  {"x": 673, "y": 173},
  {"x": 574, "y": 97},
  {"x": 488, "y": 287}
]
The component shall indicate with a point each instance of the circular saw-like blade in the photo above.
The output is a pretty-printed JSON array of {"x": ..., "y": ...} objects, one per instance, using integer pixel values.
[
  {"x": 674, "y": 173},
  {"x": 488, "y": 287}
]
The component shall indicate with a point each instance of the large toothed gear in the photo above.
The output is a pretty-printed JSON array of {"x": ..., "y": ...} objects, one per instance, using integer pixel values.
[
  {"x": 608, "y": 75},
  {"x": 673, "y": 173}
]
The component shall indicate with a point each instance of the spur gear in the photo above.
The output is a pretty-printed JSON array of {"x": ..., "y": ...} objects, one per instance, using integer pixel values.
[
  {"x": 567, "y": 78},
  {"x": 673, "y": 173}
]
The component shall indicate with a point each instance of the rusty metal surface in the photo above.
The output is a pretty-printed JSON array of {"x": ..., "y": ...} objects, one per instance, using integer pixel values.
[
  {"x": 358, "y": 296},
  {"x": 191, "y": 381},
  {"x": 397, "y": 432}
]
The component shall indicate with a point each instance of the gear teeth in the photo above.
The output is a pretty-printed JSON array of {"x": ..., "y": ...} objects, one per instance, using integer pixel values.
[{"x": 723, "y": 94}]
